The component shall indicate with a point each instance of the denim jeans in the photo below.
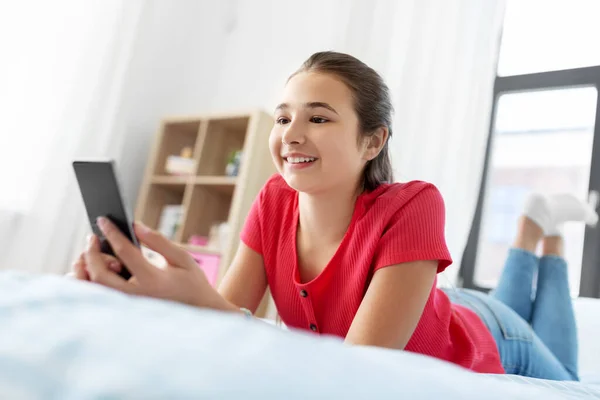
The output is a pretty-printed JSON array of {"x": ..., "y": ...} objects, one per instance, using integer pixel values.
[{"x": 535, "y": 330}]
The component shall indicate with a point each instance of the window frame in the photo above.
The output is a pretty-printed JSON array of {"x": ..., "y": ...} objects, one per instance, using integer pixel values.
[{"x": 560, "y": 79}]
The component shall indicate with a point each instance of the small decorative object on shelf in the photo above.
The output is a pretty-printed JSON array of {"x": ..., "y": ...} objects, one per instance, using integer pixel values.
[
  {"x": 233, "y": 164},
  {"x": 170, "y": 220},
  {"x": 182, "y": 164},
  {"x": 186, "y": 152},
  {"x": 223, "y": 235},
  {"x": 198, "y": 240},
  {"x": 219, "y": 233}
]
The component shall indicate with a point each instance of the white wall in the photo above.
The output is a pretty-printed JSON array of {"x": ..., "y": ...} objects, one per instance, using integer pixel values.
[{"x": 173, "y": 68}]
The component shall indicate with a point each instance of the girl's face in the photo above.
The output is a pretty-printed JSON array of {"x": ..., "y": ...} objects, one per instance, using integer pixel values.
[{"x": 314, "y": 142}]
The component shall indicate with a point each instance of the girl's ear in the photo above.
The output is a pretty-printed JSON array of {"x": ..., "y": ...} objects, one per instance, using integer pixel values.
[{"x": 375, "y": 143}]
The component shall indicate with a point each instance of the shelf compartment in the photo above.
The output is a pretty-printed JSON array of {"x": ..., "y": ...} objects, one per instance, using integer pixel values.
[
  {"x": 205, "y": 206},
  {"x": 175, "y": 137},
  {"x": 223, "y": 184},
  {"x": 223, "y": 137},
  {"x": 160, "y": 195}
]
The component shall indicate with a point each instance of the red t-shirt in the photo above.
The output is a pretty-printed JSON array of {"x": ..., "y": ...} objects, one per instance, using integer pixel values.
[{"x": 393, "y": 224}]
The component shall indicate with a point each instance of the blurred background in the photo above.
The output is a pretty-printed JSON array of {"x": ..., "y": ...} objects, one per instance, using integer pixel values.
[{"x": 493, "y": 99}]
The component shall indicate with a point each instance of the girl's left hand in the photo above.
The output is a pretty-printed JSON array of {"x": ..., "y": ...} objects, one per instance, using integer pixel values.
[{"x": 181, "y": 280}]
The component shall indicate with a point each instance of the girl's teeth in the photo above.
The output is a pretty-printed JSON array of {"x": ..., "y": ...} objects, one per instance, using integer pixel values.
[{"x": 296, "y": 160}]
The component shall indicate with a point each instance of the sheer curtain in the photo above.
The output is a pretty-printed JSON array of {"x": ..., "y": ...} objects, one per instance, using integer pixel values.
[
  {"x": 441, "y": 67},
  {"x": 59, "y": 96}
]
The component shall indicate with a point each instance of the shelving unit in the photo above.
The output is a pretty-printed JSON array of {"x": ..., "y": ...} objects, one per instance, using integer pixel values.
[{"x": 208, "y": 196}]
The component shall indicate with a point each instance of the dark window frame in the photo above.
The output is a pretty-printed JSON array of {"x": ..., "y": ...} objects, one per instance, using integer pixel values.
[{"x": 562, "y": 79}]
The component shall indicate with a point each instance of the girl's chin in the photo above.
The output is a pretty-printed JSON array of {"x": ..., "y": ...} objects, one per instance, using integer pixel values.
[{"x": 299, "y": 183}]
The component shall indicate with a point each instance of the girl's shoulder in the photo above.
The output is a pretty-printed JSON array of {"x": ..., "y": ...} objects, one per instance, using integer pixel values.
[
  {"x": 277, "y": 183},
  {"x": 396, "y": 195},
  {"x": 276, "y": 189},
  {"x": 275, "y": 195}
]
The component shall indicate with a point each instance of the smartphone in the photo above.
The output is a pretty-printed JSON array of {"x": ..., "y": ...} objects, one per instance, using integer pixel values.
[{"x": 102, "y": 197}]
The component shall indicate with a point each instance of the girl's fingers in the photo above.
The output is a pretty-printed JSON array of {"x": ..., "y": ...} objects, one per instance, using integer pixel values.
[
  {"x": 114, "y": 266},
  {"x": 100, "y": 273},
  {"x": 79, "y": 271},
  {"x": 113, "y": 263},
  {"x": 127, "y": 252},
  {"x": 173, "y": 254}
]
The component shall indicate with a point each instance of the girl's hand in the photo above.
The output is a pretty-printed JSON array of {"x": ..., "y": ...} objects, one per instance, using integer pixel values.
[
  {"x": 181, "y": 280},
  {"x": 79, "y": 267}
]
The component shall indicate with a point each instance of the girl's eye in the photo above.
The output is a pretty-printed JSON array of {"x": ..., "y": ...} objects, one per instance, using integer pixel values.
[
  {"x": 283, "y": 121},
  {"x": 318, "y": 120}
]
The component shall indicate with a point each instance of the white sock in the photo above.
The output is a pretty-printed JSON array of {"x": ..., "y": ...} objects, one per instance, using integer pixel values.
[{"x": 551, "y": 212}]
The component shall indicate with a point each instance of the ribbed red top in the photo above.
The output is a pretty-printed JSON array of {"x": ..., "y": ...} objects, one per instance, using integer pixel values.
[{"x": 393, "y": 224}]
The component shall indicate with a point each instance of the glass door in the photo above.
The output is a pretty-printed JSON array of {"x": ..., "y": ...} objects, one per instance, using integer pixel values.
[{"x": 541, "y": 140}]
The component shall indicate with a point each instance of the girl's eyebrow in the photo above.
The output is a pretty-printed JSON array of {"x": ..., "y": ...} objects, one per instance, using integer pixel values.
[{"x": 312, "y": 104}]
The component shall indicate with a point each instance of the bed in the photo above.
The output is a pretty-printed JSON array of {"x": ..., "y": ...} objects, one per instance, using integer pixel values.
[
  {"x": 65, "y": 339},
  {"x": 587, "y": 313}
]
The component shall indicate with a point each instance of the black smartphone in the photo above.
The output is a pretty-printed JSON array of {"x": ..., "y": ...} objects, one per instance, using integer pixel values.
[{"x": 102, "y": 197}]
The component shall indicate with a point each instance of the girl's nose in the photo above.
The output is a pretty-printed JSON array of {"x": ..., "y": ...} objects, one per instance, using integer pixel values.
[{"x": 293, "y": 134}]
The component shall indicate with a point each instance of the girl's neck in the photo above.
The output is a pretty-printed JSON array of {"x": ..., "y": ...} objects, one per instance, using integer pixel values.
[{"x": 325, "y": 217}]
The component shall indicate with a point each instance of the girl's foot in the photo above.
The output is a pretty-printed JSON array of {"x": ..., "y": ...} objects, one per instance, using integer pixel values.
[{"x": 552, "y": 211}]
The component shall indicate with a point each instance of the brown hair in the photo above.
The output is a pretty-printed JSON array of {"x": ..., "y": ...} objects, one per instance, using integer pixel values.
[{"x": 371, "y": 102}]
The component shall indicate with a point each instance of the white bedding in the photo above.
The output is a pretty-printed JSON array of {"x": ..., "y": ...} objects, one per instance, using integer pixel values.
[
  {"x": 587, "y": 313},
  {"x": 63, "y": 339}
]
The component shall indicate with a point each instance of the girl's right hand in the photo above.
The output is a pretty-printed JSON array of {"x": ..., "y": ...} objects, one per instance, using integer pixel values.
[{"x": 79, "y": 267}]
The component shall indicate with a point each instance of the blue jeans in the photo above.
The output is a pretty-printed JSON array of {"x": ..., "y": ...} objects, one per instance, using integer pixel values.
[{"x": 536, "y": 332}]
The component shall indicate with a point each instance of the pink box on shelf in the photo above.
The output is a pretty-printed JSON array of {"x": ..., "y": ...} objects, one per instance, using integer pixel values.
[
  {"x": 198, "y": 240},
  {"x": 209, "y": 263}
]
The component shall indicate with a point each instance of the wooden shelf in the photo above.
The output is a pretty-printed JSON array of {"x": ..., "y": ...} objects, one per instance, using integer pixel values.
[
  {"x": 171, "y": 179},
  {"x": 221, "y": 184},
  {"x": 175, "y": 136},
  {"x": 198, "y": 180},
  {"x": 208, "y": 197},
  {"x": 215, "y": 180},
  {"x": 201, "y": 249}
]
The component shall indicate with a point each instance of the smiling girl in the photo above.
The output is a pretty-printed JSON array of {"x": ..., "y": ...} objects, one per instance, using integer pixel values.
[{"x": 348, "y": 252}]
